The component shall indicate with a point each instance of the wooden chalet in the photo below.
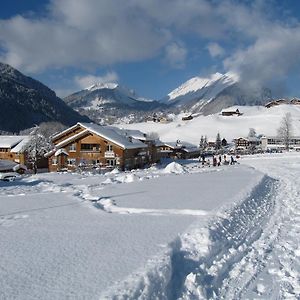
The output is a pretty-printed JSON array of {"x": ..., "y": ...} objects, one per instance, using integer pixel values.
[
  {"x": 242, "y": 143},
  {"x": 178, "y": 149},
  {"x": 231, "y": 113},
  {"x": 88, "y": 145},
  {"x": 14, "y": 148}
]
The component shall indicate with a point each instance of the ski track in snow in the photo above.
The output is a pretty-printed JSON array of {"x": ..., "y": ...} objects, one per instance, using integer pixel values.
[{"x": 248, "y": 251}]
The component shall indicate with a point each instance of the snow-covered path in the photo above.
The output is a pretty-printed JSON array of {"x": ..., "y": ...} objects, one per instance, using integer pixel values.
[
  {"x": 263, "y": 262},
  {"x": 218, "y": 233},
  {"x": 58, "y": 241},
  {"x": 272, "y": 268}
]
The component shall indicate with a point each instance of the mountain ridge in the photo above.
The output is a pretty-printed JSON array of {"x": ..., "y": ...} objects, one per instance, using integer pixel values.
[{"x": 28, "y": 102}]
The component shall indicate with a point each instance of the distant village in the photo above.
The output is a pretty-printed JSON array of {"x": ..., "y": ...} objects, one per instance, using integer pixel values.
[{"x": 87, "y": 146}]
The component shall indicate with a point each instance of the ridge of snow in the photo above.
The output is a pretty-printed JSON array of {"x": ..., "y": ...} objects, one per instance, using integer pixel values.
[
  {"x": 208, "y": 87},
  {"x": 125, "y": 94},
  {"x": 99, "y": 86}
]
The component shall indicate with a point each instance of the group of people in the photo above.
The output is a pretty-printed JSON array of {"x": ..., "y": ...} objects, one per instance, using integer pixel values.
[{"x": 217, "y": 160}]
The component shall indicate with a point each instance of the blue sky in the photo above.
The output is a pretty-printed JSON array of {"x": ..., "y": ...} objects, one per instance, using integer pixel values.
[{"x": 152, "y": 46}]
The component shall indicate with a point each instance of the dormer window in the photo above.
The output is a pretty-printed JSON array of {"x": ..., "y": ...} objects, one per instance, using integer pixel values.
[
  {"x": 109, "y": 147},
  {"x": 72, "y": 147}
]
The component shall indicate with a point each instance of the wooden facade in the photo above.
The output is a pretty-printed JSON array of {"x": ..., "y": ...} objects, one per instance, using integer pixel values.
[
  {"x": 82, "y": 147},
  {"x": 13, "y": 148}
]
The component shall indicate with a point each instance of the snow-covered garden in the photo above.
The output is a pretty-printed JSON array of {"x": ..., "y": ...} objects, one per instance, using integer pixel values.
[{"x": 175, "y": 232}]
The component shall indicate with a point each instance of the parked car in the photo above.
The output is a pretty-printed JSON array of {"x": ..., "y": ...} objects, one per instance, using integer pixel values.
[{"x": 9, "y": 176}]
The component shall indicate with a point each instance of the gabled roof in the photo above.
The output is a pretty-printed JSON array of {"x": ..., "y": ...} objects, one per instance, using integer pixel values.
[
  {"x": 64, "y": 131},
  {"x": 136, "y": 134},
  {"x": 17, "y": 143},
  {"x": 110, "y": 133},
  {"x": 21, "y": 147},
  {"x": 9, "y": 141},
  {"x": 180, "y": 145}
]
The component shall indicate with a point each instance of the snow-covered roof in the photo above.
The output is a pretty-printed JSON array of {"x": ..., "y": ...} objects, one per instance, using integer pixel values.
[
  {"x": 7, "y": 141},
  {"x": 6, "y": 165},
  {"x": 17, "y": 143},
  {"x": 72, "y": 138},
  {"x": 64, "y": 131},
  {"x": 19, "y": 167},
  {"x": 110, "y": 133},
  {"x": 180, "y": 145},
  {"x": 61, "y": 151},
  {"x": 136, "y": 134},
  {"x": 20, "y": 147}
]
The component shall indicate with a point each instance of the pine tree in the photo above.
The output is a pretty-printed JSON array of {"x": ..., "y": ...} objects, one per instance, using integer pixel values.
[{"x": 218, "y": 142}]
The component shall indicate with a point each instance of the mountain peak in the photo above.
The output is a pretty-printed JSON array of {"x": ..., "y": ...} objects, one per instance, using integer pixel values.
[
  {"x": 201, "y": 86},
  {"x": 99, "y": 86}
]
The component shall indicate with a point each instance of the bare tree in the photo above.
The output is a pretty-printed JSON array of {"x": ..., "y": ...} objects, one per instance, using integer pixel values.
[
  {"x": 252, "y": 133},
  {"x": 285, "y": 130},
  {"x": 38, "y": 146},
  {"x": 153, "y": 135}
]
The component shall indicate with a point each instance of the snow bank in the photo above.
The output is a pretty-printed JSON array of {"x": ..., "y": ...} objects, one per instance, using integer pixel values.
[{"x": 175, "y": 168}]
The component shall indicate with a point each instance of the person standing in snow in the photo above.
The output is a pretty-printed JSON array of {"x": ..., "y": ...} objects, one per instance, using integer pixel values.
[
  {"x": 214, "y": 161},
  {"x": 220, "y": 160},
  {"x": 232, "y": 160},
  {"x": 208, "y": 162}
]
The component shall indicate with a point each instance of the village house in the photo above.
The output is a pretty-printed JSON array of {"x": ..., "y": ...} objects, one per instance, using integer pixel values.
[
  {"x": 295, "y": 101},
  {"x": 275, "y": 143},
  {"x": 277, "y": 102},
  {"x": 89, "y": 145},
  {"x": 187, "y": 118},
  {"x": 231, "y": 113},
  {"x": 247, "y": 144},
  {"x": 15, "y": 148},
  {"x": 178, "y": 149}
]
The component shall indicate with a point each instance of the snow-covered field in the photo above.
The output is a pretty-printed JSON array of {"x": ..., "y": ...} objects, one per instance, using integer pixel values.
[
  {"x": 264, "y": 120},
  {"x": 179, "y": 232}
]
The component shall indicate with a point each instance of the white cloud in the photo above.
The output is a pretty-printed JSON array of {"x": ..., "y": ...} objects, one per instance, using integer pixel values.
[
  {"x": 215, "y": 50},
  {"x": 88, "y": 80},
  {"x": 100, "y": 33},
  {"x": 175, "y": 55}
]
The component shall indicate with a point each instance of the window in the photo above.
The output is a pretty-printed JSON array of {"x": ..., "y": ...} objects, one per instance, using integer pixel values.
[
  {"x": 109, "y": 148},
  {"x": 90, "y": 147},
  {"x": 111, "y": 162},
  {"x": 71, "y": 161},
  {"x": 3, "y": 150},
  {"x": 54, "y": 161},
  {"x": 72, "y": 147}
]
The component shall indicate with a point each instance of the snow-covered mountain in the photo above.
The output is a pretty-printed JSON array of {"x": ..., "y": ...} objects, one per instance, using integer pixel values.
[
  {"x": 108, "y": 95},
  {"x": 264, "y": 120},
  {"x": 205, "y": 88},
  {"x": 109, "y": 102},
  {"x": 213, "y": 93}
]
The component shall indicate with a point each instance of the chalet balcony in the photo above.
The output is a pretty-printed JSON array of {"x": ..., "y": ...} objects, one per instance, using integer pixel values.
[{"x": 109, "y": 154}]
